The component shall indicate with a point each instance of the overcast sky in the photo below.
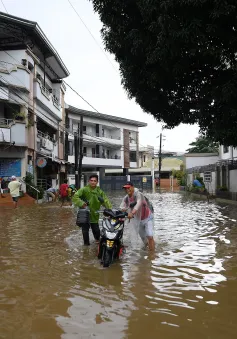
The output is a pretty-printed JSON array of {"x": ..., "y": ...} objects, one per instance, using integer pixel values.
[{"x": 92, "y": 74}]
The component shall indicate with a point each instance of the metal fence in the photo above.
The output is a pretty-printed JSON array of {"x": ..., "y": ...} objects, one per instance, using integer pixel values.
[{"x": 113, "y": 183}]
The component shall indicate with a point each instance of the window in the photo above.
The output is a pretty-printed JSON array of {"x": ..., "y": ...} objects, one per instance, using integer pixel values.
[
  {"x": 84, "y": 151},
  {"x": 225, "y": 149},
  {"x": 133, "y": 156},
  {"x": 84, "y": 129},
  {"x": 97, "y": 130},
  {"x": 70, "y": 147},
  {"x": 29, "y": 157}
]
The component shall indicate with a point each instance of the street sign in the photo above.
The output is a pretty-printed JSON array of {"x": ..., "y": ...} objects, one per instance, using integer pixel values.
[{"x": 208, "y": 176}]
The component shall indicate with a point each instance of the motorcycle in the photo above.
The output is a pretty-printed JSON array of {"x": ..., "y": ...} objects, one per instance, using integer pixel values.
[{"x": 111, "y": 242}]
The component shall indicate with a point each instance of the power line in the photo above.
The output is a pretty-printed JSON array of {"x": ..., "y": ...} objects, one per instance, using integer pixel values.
[
  {"x": 83, "y": 22},
  {"x": 37, "y": 110},
  {"x": 112, "y": 124},
  {"x": 98, "y": 140},
  {"x": 74, "y": 92},
  {"x": 81, "y": 97},
  {"x": 4, "y": 6}
]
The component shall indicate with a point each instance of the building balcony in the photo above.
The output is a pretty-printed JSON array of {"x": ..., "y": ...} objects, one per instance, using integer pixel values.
[
  {"x": 46, "y": 145},
  {"x": 15, "y": 75},
  {"x": 95, "y": 160},
  {"x": 13, "y": 132},
  {"x": 47, "y": 100},
  {"x": 95, "y": 138}
]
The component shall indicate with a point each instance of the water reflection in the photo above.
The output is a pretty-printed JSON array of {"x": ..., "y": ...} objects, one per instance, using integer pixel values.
[{"x": 53, "y": 287}]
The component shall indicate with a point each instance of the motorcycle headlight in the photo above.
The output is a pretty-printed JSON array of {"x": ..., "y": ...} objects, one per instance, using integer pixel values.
[{"x": 110, "y": 235}]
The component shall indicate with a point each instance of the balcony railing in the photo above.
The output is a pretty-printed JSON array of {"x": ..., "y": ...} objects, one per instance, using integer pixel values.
[
  {"x": 90, "y": 155},
  {"x": 111, "y": 137},
  {"x": 44, "y": 136},
  {"x": 96, "y": 135},
  {"x": 46, "y": 97},
  {"x": 6, "y": 122},
  {"x": 45, "y": 91},
  {"x": 56, "y": 101}
]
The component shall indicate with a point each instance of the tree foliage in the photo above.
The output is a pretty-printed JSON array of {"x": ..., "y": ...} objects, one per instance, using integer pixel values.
[
  {"x": 203, "y": 144},
  {"x": 177, "y": 59}
]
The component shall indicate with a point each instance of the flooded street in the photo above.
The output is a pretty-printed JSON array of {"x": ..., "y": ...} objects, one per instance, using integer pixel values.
[{"x": 52, "y": 287}]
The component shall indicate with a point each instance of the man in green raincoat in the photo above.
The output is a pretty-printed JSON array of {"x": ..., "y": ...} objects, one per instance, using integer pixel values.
[{"x": 93, "y": 196}]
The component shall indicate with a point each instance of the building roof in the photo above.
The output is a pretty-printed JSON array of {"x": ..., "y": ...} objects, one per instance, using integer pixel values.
[
  {"x": 142, "y": 169},
  {"x": 200, "y": 155},
  {"x": 74, "y": 110},
  {"x": 17, "y": 33}
]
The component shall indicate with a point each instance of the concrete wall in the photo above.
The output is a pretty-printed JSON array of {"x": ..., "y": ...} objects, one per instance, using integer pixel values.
[
  {"x": 211, "y": 187},
  {"x": 233, "y": 180},
  {"x": 198, "y": 160},
  {"x": 18, "y": 134}
]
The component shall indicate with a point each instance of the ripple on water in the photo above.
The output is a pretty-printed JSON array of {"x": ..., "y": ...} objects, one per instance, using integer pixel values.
[{"x": 53, "y": 287}]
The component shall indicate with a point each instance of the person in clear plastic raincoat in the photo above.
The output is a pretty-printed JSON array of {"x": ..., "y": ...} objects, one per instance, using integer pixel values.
[{"x": 142, "y": 211}]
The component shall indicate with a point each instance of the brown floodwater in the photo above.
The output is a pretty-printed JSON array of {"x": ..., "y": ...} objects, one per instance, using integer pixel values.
[{"x": 52, "y": 287}]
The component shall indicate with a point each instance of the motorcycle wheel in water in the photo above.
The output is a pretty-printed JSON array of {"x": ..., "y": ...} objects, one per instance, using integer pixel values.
[{"x": 111, "y": 245}]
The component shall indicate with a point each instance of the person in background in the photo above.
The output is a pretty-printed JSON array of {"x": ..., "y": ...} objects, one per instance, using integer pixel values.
[
  {"x": 196, "y": 183},
  {"x": 52, "y": 192},
  {"x": 1, "y": 189},
  {"x": 142, "y": 212},
  {"x": 93, "y": 197},
  {"x": 14, "y": 188},
  {"x": 63, "y": 191}
]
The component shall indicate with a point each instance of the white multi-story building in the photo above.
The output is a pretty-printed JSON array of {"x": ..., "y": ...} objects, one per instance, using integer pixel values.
[
  {"x": 108, "y": 141},
  {"x": 32, "y": 114}
]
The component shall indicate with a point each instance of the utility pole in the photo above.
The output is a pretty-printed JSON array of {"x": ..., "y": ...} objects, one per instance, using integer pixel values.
[
  {"x": 153, "y": 173},
  {"x": 80, "y": 151},
  {"x": 160, "y": 154},
  {"x": 76, "y": 151}
]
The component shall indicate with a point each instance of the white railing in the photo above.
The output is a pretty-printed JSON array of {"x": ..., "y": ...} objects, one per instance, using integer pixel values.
[
  {"x": 49, "y": 95},
  {"x": 44, "y": 136},
  {"x": 6, "y": 122},
  {"x": 98, "y": 156},
  {"x": 35, "y": 189},
  {"x": 45, "y": 91},
  {"x": 56, "y": 101},
  {"x": 96, "y": 135}
]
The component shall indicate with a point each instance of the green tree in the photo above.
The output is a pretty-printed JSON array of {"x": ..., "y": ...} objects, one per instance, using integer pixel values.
[
  {"x": 203, "y": 144},
  {"x": 177, "y": 59}
]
